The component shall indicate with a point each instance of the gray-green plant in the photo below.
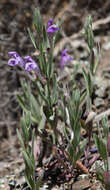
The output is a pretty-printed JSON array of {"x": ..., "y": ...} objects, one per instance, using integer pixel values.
[
  {"x": 102, "y": 141},
  {"x": 45, "y": 99},
  {"x": 28, "y": 151}
]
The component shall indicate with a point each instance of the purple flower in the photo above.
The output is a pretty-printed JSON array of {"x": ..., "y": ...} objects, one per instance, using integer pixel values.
[
  {"x": 50, "y": 22},
  {"x": 16, "y": 60},
  {"x": 65, "y": 58},
  {"x": 94, "y": 149},
  {"x": 51, "y": 27},
  {"x": 13, "y": 62},
  {"x": 13, "y": 53},
  {"x": 28, "y": 58},
  {"x": 30, "y": 64},
  {"x": 27, "y": 62}
]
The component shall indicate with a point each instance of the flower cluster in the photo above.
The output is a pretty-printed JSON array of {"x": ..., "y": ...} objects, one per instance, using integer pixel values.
[{"x": 28, "y": 63}]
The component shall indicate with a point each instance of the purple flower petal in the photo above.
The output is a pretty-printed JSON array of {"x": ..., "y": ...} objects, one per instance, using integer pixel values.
[
  {"x": 21, "y": 61},
  {"x": 18, "y": 58},
  {"x": 13, "y": 62},
  {"x": 65, "y": 58},
  {"x": 13, "y": 53},
  {"x": 30, "y": 66},
  {"x": 94, "y": 149},
  {"x": 52, "y": 29},
  {"x": 50, "y": 22},
  {"x": 28, "y": 59},
  {"x": 64, "y": 52}
]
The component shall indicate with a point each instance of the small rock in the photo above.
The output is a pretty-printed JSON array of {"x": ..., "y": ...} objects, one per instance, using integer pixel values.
[
  {"x": 81, "y": 185},
  {"x": 106, "y": 46},
  {"x": 83, "y": 176},
  {"x": 2, "y": 180},
  {"x": 99, "y": 102},
  {"x": 12, "y": 183},
  {"x": 100, "y": 92}
]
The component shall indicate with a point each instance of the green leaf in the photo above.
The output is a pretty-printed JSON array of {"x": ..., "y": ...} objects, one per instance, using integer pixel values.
[
  {"x": 85, "y": 74},
  {"x": 89, "y": 33},
  {"x": 20, "y": 139},
  {"x": 71, "y": 153},
  {"x": 65, "y": 133},
  {"x": 77, "y": 132},
  {"x": 33, "y": 39},
  {"x": 89, "y": 88},
  {"x": 83, "y": 96},
  {"x": 22, "y": 103},
  {"x": 28, "y": 119},
  {"x": 33, "y": 135},
  {"x": 25, "y": 130},
  {"x": 87, "y": 80},
  {"x": 54, "y": 98},
  {"x": 96, "y": 63},
  {"x": 29, "y": 179},
  {"x": 42, "y": 122},
  {"x": 38, "y": 21},
  {"x": 90, "y": 84},
  {"x": 57, "y": 34},
  {"x": 105, "y": 127},
  {"x": 100, "y": 173},
  {"x": 40, "y": 92},
  {"x": 81, "y": 149},
  {"x": 38, "y": 184},
  {"x": 101, "y": 145},
  {"x": 28, "y": 162},
  {"x": 35, "y": 109},
  {"x": 45, "y": 39},
  {"x": 31, "y": 155},
  {"x": 50, "y": 64}
]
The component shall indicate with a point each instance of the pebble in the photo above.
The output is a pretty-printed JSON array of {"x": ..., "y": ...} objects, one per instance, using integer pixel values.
[{"x": 83, "y": 176}]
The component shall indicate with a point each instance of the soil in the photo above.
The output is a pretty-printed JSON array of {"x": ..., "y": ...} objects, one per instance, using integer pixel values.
[{"x": 16, "y": 17}]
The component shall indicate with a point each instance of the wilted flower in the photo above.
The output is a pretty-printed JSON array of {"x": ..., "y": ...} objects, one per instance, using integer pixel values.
[
  {"x": 65, "y": 58},
  {"x": 16, "y": 59},
  {"x": 51, "y": 27}
]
